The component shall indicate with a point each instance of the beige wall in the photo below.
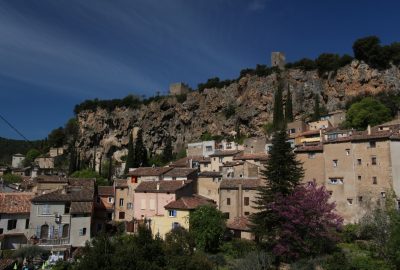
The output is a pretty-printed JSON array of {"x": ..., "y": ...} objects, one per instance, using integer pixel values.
[
  {"x": 162, "y": 224},
  {"x": 208, "y": 187},
  {"x": 314, "y": 166},
  {"x": 237, "y": 197},
  {"x": 217, "y": 162},
  {"x": 127, "y": 194},
  {"x": 205, "y": 167}
]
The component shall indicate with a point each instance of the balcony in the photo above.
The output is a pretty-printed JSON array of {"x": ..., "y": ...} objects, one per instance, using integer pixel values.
[{"x": 54, "y": 242}]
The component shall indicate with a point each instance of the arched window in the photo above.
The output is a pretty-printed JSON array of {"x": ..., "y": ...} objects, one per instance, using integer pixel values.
[
  {"x": 44, "y": 231},
  {"x": 65, "y": 230}
]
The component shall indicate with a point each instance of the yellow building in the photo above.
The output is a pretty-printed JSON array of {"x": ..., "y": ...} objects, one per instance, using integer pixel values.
[{"x": 176, "y": 214}]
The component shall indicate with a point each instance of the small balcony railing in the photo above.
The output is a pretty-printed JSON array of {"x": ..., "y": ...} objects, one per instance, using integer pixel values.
[{"x": 54, "y": 242}]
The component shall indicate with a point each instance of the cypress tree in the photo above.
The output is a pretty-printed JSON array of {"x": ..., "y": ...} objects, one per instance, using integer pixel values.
[
  {"x": 317, "y": 110},
  {"x": 140, "y": 156},
  {"x": 278, "y": 120},
  {"x": 131, "y": 155},
  {"x": 282, "y": 174},
  {"x": 167, "y": 151},
  {"x": 289, "y": 107}
]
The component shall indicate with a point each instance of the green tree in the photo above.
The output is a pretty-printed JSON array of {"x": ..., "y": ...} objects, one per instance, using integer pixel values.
[
  {"x": 282, "y": 174},
  {"x": 289, "y": 107},
  {"x": 167, "y": 154},
  {"x": 11, "y": 178},
  {"x": 56, "y": 138},
  {"x": 90, "y": 174},
  {"x": 131, "y": 155},
  {"x": 140, "y": 157},
  {"x": 207, "y": 225},
  {"x": 327, "y": 62},
  {"x": 369, "y": 50},
  {"x": 278, "y": 117},
  {"x": 368, "y": 111},
  {"x": 317, "y": 110},
  {"x": 31, "y": 156}
]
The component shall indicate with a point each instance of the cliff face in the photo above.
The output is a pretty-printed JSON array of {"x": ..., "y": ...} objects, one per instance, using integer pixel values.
[{"x": 252, "y": 98}]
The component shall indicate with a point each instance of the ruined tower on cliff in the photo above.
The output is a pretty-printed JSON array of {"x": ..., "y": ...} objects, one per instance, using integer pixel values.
[{"x": 278, "y": 60}]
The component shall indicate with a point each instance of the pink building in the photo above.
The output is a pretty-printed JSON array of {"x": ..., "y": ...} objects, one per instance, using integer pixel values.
[{"x": 152, "y": 197}]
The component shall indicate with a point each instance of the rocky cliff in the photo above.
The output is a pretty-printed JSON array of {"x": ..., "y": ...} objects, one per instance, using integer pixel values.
[{"x": 251, "y": 97}]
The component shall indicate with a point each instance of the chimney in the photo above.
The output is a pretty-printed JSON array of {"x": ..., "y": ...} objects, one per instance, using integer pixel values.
[
  {"x": 158, "y": 186},
  {"x": 369, "y": 130},
  {"x": 183, "y": 182}
]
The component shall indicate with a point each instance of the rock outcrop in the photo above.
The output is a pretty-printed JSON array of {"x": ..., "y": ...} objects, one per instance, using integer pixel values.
[{"x": 251, "y": 96}]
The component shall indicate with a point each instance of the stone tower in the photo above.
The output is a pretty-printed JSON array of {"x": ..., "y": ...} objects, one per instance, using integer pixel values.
[{"x": 278, "y": 60}]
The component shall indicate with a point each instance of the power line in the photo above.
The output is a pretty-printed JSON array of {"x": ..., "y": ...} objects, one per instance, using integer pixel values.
[{"x": 14, "y": 128}]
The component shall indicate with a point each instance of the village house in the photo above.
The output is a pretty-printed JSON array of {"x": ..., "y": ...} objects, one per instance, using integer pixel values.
[
  {"x": 124, "y": 198},
  {"x": 236, "y": 200},
  {"x": 191, "y": 162},
  {"x": 295, "y": 128},
  {"x": 335, "y": 118},
  {"x": 220, "y": 157},
  {"x": 181, "y": 174},
  {"x": 152, "y": 196},
  {"x": 176, "y": 214},
  {"x": 318, "y": 125},
  {"x": 61, "y": 220},
  {"x": 254, "y": 145},
  {"x": 103, "y": 208},
  {"x": 17, "y": 161},
  {"x": 208, "y": 185},
  {"x": 143, "y": 174},
  {"x": 204, "y": 148},
  {"x": 45, "y": 162},
  {"x": 14, "y": 219},
  {"x": 205, "y": 164}
]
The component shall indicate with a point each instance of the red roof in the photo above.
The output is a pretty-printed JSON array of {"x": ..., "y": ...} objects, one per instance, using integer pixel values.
[
  {"x": 188, "y": 203},
  {"x": 15, "y": 202},
  {"x": 239, "y": 223},
  {"x": 105, "y": 191},
  {"x": 162, "y": 186}
]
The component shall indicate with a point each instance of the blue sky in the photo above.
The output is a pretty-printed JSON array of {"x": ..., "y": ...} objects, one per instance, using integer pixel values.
[{"x": 55, "y": 54}]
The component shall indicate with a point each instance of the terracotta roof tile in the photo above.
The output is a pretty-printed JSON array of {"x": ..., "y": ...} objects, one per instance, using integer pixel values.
[
  {"x": 150, "y": 171},
  {"x": 180, "y": 172},
  {"x": 66, "y": 195},
  {"x": 233, "y": 163},
  {"x": 162, "y": 186},
  {"x": 188, "y": 203},
  {"x": 121, "y": 183},
  {"x": 81, "y": 207},
  {"x": 15, "y": 202},
  {"x": 309, "y": 148},
  {"x": 210, "y": 174},
  {"x": 220, "y": 153},
  {"x": 233, "y": 183},
  {"x": 258, "y": 156},
  {"x": 105, "y": 191},
  {"x": 185, "y": 162},
  {"x": 239, "y": 223}
]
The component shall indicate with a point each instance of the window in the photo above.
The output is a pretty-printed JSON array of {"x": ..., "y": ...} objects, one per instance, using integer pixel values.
[
  {"x": 330, "y": 192},
  {"x": 110, "y": 199},
  {"x": 335, "y": 162},
  {"x": 221, "y": 159},
  {"x": 374, "y": 180},
  {"x": 152, "y": 204},
  {"x": 292, "y": 130},
  {"x": 208, "y": 148},
  {"x": 98, "y": 199},
  {"x": 246, "y": 213},
  {"x": 228, "y": 201},
  {"x": 67, "y": 208},
  {"x": 121, "y": 202},
  {"x": 383, "y": 194},
  {"x": 82, "y": 232},
  {"x": 121, "y": 215},
  {"x": 359, "y": 178},
  {"x": 335, "y": 181},
  {"x": 11, "y": 224},
  {"x": 205, "y": 165},
  {"x": 65, "y": 230},
  {"x": 172, "y": 213},
  {"x": 143, "y": 204},
  {"x": 175, "y": 225},
  {"x": 311, "y": 155},
  {"x": 373, "y": 160},
  {"x": 350, "y": 201},
  {"x": 129, "y": 205},
  {"x": 246, "y": 200},
  {"x": 372, "y": 144},
  {"x": 347, "y": 152},
  {"x": 359, "y": 161},
  {"x": 44, "y": 231},
  {"x": 228, "y": 145},
  {"x": 332, "y": 136},
  {"x": 45, "y": 209},
  {"x": 226, "y": 215},
  {"x": 27, "y": 223},
  {"x": 1, "y": 231},
  {"x": 360, "y": 198}
]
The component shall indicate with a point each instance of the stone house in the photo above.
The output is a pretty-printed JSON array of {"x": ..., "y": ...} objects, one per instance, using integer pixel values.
[
  {"x": 152, "y": 196},
  {"x": 103, "y": 208},
  {"x": 205, "y": 164},
  {"x": 310, "y": 136},
  {"x": 236, "y": 200},
  {"x": 62, "y": 219},
  {"x": 254, "y": 145},
  {"x": 204, "y": 148},
  {"x": 45, "y": 162},
  {"x": 17, "y": 160},
  {"x": 176, "y": 214},
  {"x": 295, "y": 128},
  {"x": 123, "y": 200},
  {"x": 181, "y": 174},
  {"x": 143, "y": 174},
  {"x": 335, "y": 118},
  {"x": 208, "y": 185},
  {"x": 178, "y": 88},
  {"x": 14, "y": 219},
  {"x": 220, "y": 157},
  {"x": 318, "y": 125}
]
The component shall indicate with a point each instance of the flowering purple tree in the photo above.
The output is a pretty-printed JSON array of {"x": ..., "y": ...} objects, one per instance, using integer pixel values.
[{"x": 307, "y": 223}]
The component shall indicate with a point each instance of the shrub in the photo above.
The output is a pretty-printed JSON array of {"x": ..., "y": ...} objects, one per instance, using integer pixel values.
[
  {"x": 12, "y": 178},
  {"x": 238, "y": 248},
  {"x": 229, "y": 111},
  {"x": 181, "y": 98}
]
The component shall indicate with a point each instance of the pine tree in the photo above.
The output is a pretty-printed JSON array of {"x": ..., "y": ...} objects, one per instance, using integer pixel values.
[
  {"x": 317, "y": 110},
  {"x": 282, "y": 174},
  {"x": 167, "y": 152},
  {"x": 140, "y": 156},
  {"x": 278, "y": 120},
  {"x": 131, "y": 155},
  {"x": 289, "y": 107}
]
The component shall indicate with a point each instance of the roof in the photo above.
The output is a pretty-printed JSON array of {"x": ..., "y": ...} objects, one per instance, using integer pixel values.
[
  {"x": 394, "y": 122},
  {"x": 51, "y": 179},
  {"x": 233, "y": 183},
  {"x": 67, "y": 194},
  {"x": 149, "y": 171},
  {"x": 239, "y": 223},
  {"x": 105, "y": 191},
  {"x": 210, "y": 174},
  {"x": 15, "y": 202},
  {"x": 309, "y": 148},
  {"x": 81, "y": 207},
  {"x": 180, "y": 172},
  {"x": 204, "y": 160},
  {"x": 162, "y": 186},
  {"x": 188, "y": 203},
  {"x": 18, "y": 155},
  {"x": 185, "y": 162},
  {"x": 220, "y": 153},
  {"x": 364, "y": 136},
  {"x": 258, "y": 156},
  {"x": 233, "y": 163},
  {"x": 121, "y": 183}
]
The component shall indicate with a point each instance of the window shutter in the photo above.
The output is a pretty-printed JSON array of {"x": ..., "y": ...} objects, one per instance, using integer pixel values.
[
  {"x": 143, "y": 204},
  {"x": 37, "y": 231},
  {"x": 80, "y": 232},
  {"x": 60, "y": 230},
  {"x": 152, "y": 204}
]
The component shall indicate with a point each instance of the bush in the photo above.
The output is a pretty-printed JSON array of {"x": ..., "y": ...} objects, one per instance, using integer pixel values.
[
  {"x": 12, "y": 178},
  {"x": 238, "y": 248},
  {"x": 229, "y": 111},
  {"x": 213, "y": 83},
  {"x": 350, "y": 233},
  {"x": 181, "y": 98}
]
